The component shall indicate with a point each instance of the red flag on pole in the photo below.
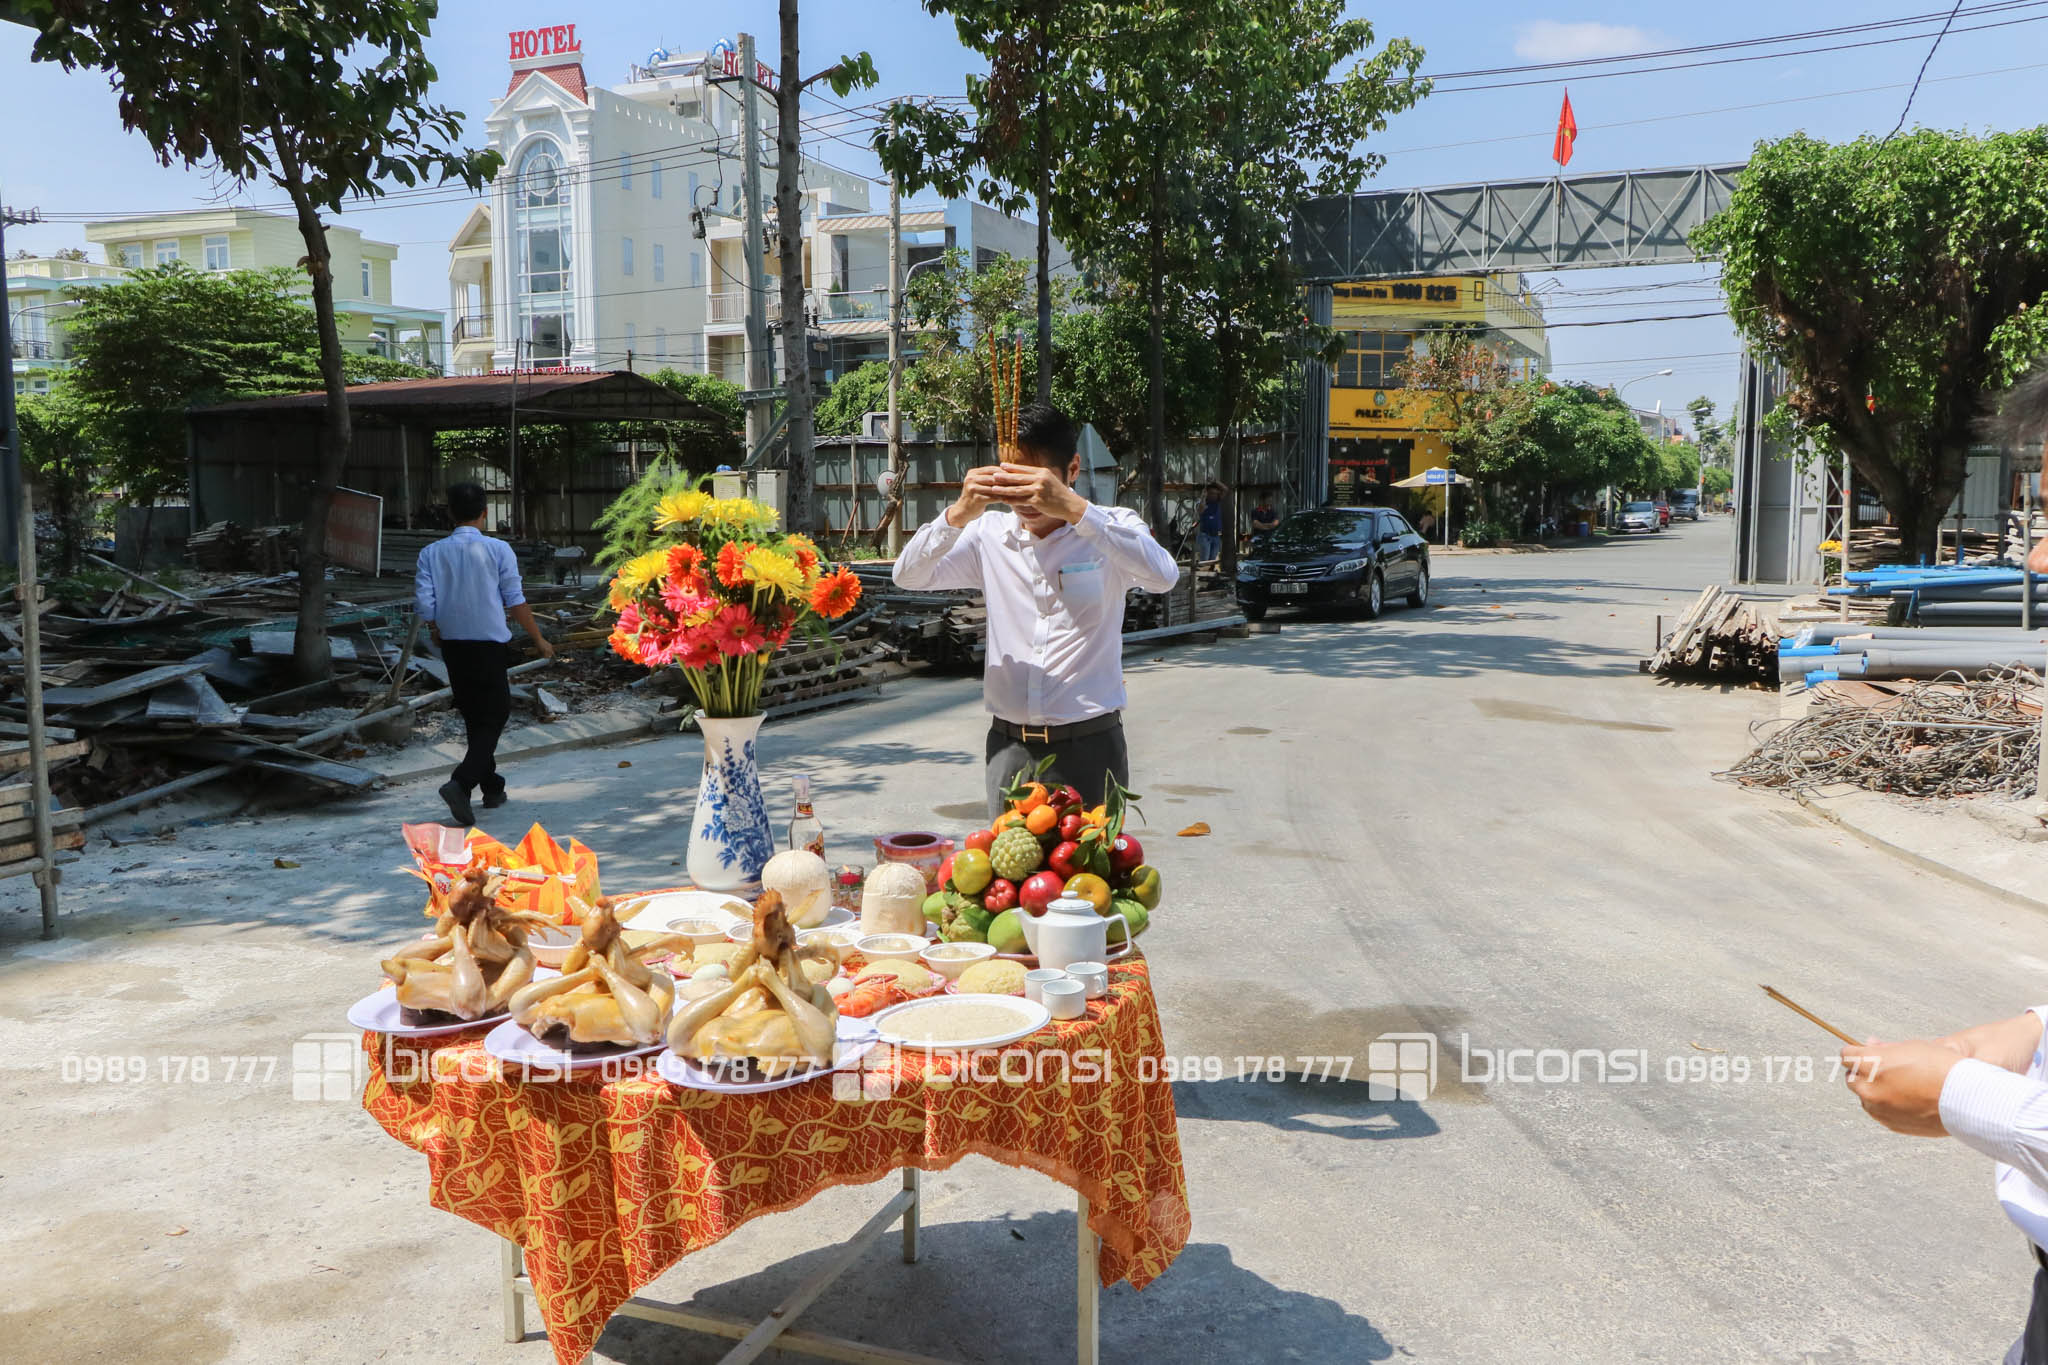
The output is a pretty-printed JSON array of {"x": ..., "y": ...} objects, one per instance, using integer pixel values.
[{"x": 1567, "y": 133}]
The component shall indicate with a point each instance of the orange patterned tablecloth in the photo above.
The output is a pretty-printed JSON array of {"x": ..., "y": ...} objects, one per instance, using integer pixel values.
[{"x": 606, "y": 1184}]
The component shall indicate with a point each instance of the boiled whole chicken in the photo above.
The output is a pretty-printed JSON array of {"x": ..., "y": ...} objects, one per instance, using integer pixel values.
[
  {"x": 473, "y": 963},
  {"x": 771, "y": 1014},
  {"x": 606, "y": 993}
]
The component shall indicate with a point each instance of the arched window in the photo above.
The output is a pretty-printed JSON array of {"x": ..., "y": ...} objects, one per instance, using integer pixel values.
[{"x": 542, "y": 230}]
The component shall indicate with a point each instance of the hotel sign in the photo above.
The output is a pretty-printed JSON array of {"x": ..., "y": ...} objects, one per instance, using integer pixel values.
[
  {"x": 557, "y": 41},
  {"x": 1443, "y": 293}
]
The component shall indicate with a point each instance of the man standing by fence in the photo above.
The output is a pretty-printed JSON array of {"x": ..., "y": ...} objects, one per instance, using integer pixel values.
[{"x": 465, "y": 586}]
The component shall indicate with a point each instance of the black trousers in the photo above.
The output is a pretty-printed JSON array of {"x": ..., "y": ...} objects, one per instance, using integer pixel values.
[
  {"x": 476, "y": 674},
  {"x": 1085, "y": 763}
]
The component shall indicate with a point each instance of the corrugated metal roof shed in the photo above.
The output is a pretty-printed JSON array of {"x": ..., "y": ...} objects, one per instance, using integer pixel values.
[{"x": 481, "y": 400}]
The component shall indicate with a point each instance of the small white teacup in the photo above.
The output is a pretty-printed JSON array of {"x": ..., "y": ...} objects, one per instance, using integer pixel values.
[
  {"x": 1035, "y": 979},
  {"x": 1064, "y": 999},
  {"x": 1093, "y": 975}
]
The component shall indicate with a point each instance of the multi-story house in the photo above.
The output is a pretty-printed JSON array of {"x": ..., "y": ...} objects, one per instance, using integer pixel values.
[
  {"x": 39, "y": 302},
  {"x": 249, "y": 239},
  {"x": 614, "y": 236}
]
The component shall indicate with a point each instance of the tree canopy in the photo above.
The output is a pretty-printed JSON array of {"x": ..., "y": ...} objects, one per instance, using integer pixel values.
[
  {"x": 1899, "y": 281},
  {"x": 858, "y": 392}
]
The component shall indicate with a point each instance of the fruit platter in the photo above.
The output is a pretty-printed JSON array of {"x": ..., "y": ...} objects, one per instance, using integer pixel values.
[{"x": 1046, "y": 845}]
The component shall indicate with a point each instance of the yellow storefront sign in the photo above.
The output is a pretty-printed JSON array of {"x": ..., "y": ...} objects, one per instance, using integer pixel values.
[{"x": 1377, "y": 412}]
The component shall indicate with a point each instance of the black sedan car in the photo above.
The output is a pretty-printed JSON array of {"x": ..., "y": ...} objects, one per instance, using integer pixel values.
[{"x": 1351, "y": 556}]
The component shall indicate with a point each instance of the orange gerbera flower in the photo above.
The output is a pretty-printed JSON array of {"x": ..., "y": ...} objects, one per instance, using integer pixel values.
[
  {"x": 732, "y": 562},
  {"x": 684, "y": 560},
  {"x": 835, "y": 594},
  {"x": 803, "y": 550}
]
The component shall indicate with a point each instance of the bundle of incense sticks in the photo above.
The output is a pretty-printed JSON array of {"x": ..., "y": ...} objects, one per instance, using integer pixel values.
[{"x": 1005, "y": 387}]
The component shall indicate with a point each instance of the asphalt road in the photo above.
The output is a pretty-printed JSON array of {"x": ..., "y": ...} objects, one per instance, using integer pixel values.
[{"x": 1475, "y": 822}]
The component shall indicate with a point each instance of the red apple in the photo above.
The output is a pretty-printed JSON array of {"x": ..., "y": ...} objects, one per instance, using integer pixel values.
[
  {"x": 1040, "y": 889},
  {"x": 1072, "y": 824},
  {"x": 983, "y": 839},
  {"x": 1124, "y": 855},
  {"x": 1064, "y": 858},
  {"x": 946, "y": 871},
  {"x": 1066, "y": 798}
]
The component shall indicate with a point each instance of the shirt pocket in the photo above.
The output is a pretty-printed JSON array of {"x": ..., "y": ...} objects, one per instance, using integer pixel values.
[{"x": 1081, "y": 589}]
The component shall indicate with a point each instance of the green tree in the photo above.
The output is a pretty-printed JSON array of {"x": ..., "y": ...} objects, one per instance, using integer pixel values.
[
  {"x": 700, "y": 446},
  {"x": 1287, "y": 123},
  {"x": 1102, "y": 374},
  {"x": 858, "y": 392},
  {"x": 57, "y": 457},
  {"x": 147, "y": 347},
  {"x": 1027, "y": 120},
  {"x": 1716, "y": 440},
  {"x": 324, "y": 101},
  {"x": 1716, "y": 480},
  {"x": 1898, "y": 281},
  {"x": 1538, "y": 438},
  {"x": 948, "y": 384}
]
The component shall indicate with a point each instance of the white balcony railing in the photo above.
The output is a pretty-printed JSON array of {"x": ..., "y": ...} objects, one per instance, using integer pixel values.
[{"x": 728, "y": 307}]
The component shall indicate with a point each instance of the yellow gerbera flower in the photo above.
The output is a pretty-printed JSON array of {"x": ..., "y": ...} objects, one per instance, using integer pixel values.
[
  {"x": 677, "y": 508},
  {"x": 637, "y": 572},
  {"x": 772, "y": 570}
]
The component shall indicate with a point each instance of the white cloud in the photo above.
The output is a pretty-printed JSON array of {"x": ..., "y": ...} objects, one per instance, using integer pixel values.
[{"x": 1547, "y": 40}]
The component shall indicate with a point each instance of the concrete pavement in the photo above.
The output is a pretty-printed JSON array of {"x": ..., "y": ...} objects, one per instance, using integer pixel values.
[{"x": 1475, "y": 821}]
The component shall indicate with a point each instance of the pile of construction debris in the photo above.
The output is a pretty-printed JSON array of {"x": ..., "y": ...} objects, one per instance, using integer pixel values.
[
  {"x": 1951, "y": 737},
  {"x": 1721, "y": 636}
]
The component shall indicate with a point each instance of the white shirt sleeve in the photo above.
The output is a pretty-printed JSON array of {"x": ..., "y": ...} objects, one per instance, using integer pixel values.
[
  {"x": 1127, "y": 543},
  {"x": 511, "y": 591},
  {"x": 423, "y": 584},
  {"x": 2000, "y": 1113},
  {"x": 941, "y": 555}
]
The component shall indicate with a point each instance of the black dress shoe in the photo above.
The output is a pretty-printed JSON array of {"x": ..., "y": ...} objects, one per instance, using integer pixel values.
[
  {"x": 493, "y": 800},
  {"x": 457, "y": 797}
]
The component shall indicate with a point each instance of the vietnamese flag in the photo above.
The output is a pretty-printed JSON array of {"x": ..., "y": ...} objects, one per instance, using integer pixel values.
[{"x": 1567, "y": 133}]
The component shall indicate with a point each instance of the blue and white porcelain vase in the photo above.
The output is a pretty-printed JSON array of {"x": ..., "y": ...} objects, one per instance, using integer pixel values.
[{"x": 730, "y": 837}]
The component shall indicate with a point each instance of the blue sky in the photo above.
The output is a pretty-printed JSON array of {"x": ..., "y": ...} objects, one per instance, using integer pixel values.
[{"x": 65, "y": 151}]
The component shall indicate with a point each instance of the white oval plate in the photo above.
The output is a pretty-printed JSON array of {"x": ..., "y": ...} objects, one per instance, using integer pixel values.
[
  {"x": 379, "y": 1013},
  {"x": 653, "y": 913},
  {"x": 1030, "y": 1015},
  {"x": 510, "y": 1043},
  {"x": 694, "y": 1076}
]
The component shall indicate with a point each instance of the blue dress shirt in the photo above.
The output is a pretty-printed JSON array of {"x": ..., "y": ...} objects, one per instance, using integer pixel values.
[{"x": 464, "y": 584}]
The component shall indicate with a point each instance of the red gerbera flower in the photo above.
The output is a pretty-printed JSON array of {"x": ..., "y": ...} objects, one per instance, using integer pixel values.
[
  {"x": 835, "y": 594},
  {"x": 736, "y": 631},
  {"x": 699, "y": 648},
  {"x": 629, "y": 619}
]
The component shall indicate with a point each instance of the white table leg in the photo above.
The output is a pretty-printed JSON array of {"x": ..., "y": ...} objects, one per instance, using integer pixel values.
[
  {"x": 913, "y": 1181},
  {"x": 511, "y": 1264},
  {"x": 1087, "y": 1289}
]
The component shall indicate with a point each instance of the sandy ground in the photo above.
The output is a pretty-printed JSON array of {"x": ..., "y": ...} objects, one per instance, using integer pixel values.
[{"x": 1475, "y": 821}]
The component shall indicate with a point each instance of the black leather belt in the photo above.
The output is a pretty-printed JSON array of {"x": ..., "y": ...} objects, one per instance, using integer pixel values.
[{"x": 1059, "y": 734}]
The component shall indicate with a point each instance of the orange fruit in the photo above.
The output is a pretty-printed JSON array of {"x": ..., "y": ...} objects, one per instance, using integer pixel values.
[
  {"x": 1033, "y": 798},
  {"x": 1042, "y": 820},
  {"x": 1007, "y": 819}
]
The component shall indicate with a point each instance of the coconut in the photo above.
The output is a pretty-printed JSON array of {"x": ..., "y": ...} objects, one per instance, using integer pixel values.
[
  {"x": 803, "y": 881},
  {"x": 892, "y": 901}
]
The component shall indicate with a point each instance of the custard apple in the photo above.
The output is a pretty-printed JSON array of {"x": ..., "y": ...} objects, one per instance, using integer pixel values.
[{"x": 1016, "y": 853}]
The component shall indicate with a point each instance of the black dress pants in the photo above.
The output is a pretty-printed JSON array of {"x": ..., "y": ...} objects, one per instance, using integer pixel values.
[{"x": 476, "y": 674}]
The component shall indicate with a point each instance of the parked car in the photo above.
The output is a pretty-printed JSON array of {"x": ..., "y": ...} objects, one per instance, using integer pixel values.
[
  {"x": 1685, "y": 502},
  {"x": 1663, "y": 514},
  {"x": 1350, "y": 556},
  {"x": 1638, "y": 516}
]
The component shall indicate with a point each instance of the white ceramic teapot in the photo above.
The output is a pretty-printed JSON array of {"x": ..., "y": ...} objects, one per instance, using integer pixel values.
[{"x": 1069, "y": 931}]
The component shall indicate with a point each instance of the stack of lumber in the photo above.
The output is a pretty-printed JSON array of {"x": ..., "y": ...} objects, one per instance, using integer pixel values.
[
  {"x": 1720, "y": 636},
  {"x": 225, "y": 547},
  {"x": 1870, "y": 546},
  {"x": 17, "y": 796}
]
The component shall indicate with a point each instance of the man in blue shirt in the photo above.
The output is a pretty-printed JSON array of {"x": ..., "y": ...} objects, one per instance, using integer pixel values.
[
  {"x": 465, "y": 587},
  {"x": 1209, "y": 528}
]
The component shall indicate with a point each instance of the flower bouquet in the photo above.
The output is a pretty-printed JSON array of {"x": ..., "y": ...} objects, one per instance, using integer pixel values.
[{"x": 715, "y": 594}]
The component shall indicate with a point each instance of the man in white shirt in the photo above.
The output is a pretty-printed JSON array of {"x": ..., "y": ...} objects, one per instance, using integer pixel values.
[
  {"x": 1985, "y": 1088},
  {"x": 1053, "y": 568}
]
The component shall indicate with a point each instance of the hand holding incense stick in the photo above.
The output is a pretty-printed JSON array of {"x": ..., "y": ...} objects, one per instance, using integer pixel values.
[{"x": 1789, "y": 1004}]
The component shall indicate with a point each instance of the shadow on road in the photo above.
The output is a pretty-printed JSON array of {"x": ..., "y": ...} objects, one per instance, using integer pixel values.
[
  {"x": 1002, "y": 1290},
  {"x": 1301, "y": 1103}
]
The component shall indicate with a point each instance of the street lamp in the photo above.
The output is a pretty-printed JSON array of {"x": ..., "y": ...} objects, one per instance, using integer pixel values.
[{"x": 1654, "y": 374}]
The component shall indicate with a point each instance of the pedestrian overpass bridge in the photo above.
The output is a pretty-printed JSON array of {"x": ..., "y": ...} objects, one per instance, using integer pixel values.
[{"x": 1571, "y": 222}]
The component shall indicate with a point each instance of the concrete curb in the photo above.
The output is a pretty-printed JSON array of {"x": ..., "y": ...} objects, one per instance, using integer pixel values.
[
  {"x": 571, "y": 732},
  {"x": 1914, "y": 859}
]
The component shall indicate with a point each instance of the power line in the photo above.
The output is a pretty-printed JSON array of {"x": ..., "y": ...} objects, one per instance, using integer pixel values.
[
  {"x": 1732, "y": 61},
  {"x": 1931, "y": 50}
]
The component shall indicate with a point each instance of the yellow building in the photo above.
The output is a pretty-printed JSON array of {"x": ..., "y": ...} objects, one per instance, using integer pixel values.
[
  {"x": 249, "y": 239},
  {"x": 1381, "y": 432}
]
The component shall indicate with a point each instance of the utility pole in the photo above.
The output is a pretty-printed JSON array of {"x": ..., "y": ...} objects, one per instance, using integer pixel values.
[
  {"x": 11, "y": 494},
  {"x": 896, "y": 469},
  {"x": 759, "y": 379},
  {"x": 800, "y": 436}
]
